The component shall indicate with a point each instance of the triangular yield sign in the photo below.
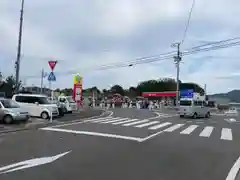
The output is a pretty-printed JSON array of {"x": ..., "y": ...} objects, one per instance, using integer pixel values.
[{"x": 52, "y": 64}]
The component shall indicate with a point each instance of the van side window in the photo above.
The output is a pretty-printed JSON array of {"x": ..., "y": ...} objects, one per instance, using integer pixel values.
[
  {"x": 19, "y": 98},
  {"x": 29, "y": 99},
  {"x": 205, "y": 104},
  {"x": 198, "y": 103}
]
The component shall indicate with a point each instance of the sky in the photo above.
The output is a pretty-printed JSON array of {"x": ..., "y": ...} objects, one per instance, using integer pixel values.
[{"x": 83, "y": 35}]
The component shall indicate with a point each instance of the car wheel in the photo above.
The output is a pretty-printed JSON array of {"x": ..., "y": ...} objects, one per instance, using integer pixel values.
[
  {"x": 7, "y": 119},
  {"x": 44, "y": 115},
  {"x": 207, "y": 115},
  {"x": 181, "y": 116},
  {"x": 195, "y": 115},
  {"x": 70, "y": 112}
]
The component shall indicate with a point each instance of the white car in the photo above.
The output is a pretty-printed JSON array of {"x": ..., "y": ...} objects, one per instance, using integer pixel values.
[
  {"x": 68, "y": 103},
  {"x": 231, "y": 111},
  {"x": 37, "y": 105},
  {"x": 193, "y": 108}
]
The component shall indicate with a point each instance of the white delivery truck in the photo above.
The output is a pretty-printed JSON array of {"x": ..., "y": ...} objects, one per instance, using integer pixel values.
[
  {"x": 194, "y": 108},
  {"x": 68, "y": 102}
]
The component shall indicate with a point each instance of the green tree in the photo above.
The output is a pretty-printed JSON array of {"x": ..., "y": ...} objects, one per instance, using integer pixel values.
[
  {"x": 166, "y": 84},
  {"x": 117, "y": 89},
  {"x": 11, "y": 81}
]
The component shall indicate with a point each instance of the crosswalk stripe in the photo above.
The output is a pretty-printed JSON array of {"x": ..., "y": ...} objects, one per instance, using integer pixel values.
[
  {"x": 226, "y": 134},
  {"x": 98, "y": 119},
  {"x": 173, "y": 128},
  {"x": 111, "y": 121},
  {"x": 122, "y": 122},
  {"x": 103, "y": 120},
  {"x": 189, "y": 130},
  {"x": 206, "y": 131},
  {"x": 136, "y": 122},
  {"x": 147, "y": 124},
  {"x": 160, "y": 126}
]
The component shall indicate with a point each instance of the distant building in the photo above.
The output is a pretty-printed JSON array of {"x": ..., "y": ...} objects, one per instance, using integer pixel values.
[{"x": 37, "y": 90}]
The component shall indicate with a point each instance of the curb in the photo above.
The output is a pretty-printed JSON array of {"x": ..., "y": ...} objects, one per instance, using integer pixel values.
[{"x": 45, "y": 124}]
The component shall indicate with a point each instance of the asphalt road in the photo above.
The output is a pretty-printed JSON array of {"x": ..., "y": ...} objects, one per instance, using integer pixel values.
[
  {"x": 84, "y": 113},
  {"x": 127, "y": 144}
]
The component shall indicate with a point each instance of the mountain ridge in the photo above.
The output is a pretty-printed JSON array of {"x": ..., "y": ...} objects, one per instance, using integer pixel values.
[{"x": 233, "y": 96}]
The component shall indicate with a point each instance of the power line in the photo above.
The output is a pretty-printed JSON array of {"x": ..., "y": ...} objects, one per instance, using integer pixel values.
[
  {"x": 164, "y": 56},
  {"x": 188, "y": 22}
]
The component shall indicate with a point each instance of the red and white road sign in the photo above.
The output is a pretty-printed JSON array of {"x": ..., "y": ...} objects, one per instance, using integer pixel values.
[{"x": 52, "y": 64}]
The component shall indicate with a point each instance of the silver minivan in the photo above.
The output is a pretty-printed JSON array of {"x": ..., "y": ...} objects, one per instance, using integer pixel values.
[
  {"x": 193, "y": 108},
  {"x": 10, "y": 111}
]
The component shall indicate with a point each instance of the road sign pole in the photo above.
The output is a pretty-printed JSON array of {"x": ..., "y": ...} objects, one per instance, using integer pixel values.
[{"x": 51, "y": 78}]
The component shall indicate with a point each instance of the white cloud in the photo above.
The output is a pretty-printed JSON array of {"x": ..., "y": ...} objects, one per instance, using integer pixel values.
[{"x": 85, "y": 34}]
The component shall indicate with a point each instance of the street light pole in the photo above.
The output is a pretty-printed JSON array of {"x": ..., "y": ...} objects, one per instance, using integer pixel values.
[{"x": 17, "y": 63}]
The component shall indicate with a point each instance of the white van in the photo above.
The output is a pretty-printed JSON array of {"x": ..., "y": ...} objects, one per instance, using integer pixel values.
[
  {"x": 37, "y": 105},
  {"x": 193, "y": 108},
  {"x": 68, "y": 102}
]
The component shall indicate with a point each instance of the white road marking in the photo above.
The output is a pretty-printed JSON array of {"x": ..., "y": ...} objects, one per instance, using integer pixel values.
[
  {"x": 30, "y": 163},
  {"x": 77, "y": 121},
  {"x": 117, "y": 120},
  {"x": 189, "y": 130},
  {"x": 127, "y": 121},
  {"x": 151, "y": 136},
  {"x": 206, "y": 131},
  {"x": 226, "y": 134},
  {"x": 102, "y": 119},
  {"x": 93, "y": 134},
  {"x": 232, "y": 120},
  {"x": 136, "y": 122},
  {"x": 234, "y": 170},
  {"x": 160, "y": 126},
  {"x": 173, "y": 128},
  {"x": 147, "y": 124}
]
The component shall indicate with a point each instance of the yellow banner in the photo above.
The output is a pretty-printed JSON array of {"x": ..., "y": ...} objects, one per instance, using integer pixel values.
[{"x": 77, "y": 80}]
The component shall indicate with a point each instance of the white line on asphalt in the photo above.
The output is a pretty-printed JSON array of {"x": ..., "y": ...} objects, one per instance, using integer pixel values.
[
  {"x": 98, "y": 119},
  {"x": 93, "y": 134},
  {"x": 159, "y": 126},
  {"x": 189, "y": 130},
  {"x": 136, "y": 122},
  {"x": 206, "y": 131},
  {"x": 147, "y": 124},
  {"x": 151, "y": 136},
  {"x": 226, "y": 134},
  {"x": 234, "y": 170},
  {"x": 173, "y": 128},
  {"x": 77, "y": 121},
  {"x": 127, "y": 121},
  {"x": 117, "y": 120},
  {"x": 104, "y": 120}
]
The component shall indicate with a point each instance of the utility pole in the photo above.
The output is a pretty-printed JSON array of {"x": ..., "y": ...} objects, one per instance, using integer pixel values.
[
  {"x": 17, "y": 63},
  {"x": 177, "y": 60},
  {"x": 42, "y": 77}
]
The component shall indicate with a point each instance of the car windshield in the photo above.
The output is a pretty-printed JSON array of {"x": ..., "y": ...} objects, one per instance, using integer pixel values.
[
  {"x": 9, "y": 104},
  {"x": 43, "y": 100},
  {"x": 185, "y": 103},
  {"x": 70, "y": 100}
]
